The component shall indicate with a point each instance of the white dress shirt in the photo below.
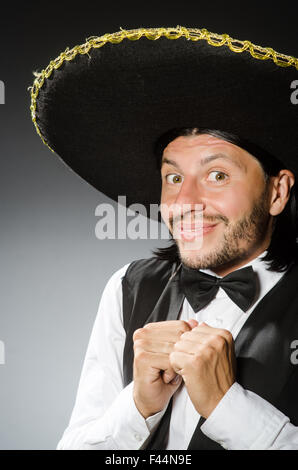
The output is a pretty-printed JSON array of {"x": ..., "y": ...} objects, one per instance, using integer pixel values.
[{"x": 105, "y": 416}]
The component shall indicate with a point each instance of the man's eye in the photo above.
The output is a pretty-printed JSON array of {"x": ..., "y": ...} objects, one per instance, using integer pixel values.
[
  {"x": 174, "y": 179},
  {"x": 217, "y": 176}
]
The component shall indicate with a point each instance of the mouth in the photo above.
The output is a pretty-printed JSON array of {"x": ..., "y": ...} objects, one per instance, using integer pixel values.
[{"x": 189, "y": 232}]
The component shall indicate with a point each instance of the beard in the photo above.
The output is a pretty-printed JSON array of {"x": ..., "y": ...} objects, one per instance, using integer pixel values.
[{"x": 240, "y": 239}]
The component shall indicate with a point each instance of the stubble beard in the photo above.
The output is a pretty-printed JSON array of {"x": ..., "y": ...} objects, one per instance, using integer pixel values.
[{"x": 239, "y": 241}]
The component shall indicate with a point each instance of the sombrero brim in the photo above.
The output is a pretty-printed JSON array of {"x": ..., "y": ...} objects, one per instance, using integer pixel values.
[{"x": 101, "y": 106}]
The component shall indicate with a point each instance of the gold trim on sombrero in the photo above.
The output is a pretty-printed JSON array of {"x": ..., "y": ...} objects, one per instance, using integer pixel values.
[{"x": 193, "y": 34}]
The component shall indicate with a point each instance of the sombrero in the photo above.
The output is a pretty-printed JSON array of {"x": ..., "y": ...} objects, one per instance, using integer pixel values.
[{"x": 102, "y": 105}]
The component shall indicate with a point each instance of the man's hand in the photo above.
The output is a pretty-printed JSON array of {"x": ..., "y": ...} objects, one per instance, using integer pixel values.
[
  {"x": 205, "y": 359},
  {"x": 154, "y": 378}
]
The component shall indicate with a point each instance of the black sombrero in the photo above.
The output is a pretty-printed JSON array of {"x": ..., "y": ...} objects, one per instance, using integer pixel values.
[{"x": 102, "y": 105}]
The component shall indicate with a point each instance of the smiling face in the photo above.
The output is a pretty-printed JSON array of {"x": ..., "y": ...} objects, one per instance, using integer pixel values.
[{"x": 225, "y": 186}]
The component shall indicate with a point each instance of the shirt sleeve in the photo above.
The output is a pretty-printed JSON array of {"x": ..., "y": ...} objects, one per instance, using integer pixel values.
[
  {"x": 105, "y": 416},
  {"x": 243, "y": 420}
]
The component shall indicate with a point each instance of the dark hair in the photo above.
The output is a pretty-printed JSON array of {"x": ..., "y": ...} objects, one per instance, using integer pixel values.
[{"x": 283, "y": 249}]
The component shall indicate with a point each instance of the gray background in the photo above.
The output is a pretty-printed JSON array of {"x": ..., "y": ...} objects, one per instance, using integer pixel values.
[{"x": 53, "y": 268}]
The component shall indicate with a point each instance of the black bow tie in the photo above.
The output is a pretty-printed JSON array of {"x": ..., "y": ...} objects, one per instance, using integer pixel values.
[{"x": 200, "y": 288}]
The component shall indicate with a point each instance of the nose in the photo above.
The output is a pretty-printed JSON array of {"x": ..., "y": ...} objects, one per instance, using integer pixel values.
[
  {"x": 189, "y": 203},
  {"x": 191, "y": 194}
]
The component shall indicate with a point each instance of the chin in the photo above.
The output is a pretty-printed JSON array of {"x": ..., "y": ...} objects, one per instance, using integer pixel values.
[
  {"x": 194, "y": 258},
  {"x": 193, "y": 262}
]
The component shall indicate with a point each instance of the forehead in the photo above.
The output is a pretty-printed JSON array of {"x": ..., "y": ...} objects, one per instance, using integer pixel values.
[
  {"x": 202, "y": 146},
  {"x": 193, "y": 141}
]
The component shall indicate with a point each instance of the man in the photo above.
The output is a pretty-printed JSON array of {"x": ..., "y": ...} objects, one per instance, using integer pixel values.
[{"x": 190, "y": 348}]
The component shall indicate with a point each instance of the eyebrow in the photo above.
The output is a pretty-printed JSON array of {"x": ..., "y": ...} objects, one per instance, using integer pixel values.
[{"x": 207, "y": 160}]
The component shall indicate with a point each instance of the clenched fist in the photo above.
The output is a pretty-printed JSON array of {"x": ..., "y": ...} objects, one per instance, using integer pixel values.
[
  {"x": 155, "y": 381},
  {"x": 204, "y": 357}
]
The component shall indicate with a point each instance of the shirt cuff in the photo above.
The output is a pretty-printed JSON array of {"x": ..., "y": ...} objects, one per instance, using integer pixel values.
[
  {"x": 243, "y": 420},
  {"x": 125, "y": 426},
  {"x": 153, "y": 421}
]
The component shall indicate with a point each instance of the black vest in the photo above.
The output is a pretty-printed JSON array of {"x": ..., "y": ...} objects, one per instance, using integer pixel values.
[{"x": 151, "y": 292}]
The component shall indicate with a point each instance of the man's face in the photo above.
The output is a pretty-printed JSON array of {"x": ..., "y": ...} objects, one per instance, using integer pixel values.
[{"x": 209, "y": 178}]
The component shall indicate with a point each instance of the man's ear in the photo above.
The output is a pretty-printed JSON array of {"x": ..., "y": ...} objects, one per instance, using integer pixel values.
[{"x": 282, "y": 184}]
